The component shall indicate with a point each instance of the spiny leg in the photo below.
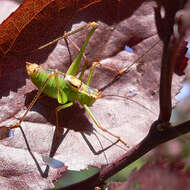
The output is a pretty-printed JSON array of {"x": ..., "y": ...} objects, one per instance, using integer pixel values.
[
  {"x": 86, "y": 63},
  {"x": 127, "y": 68},
  {"x": 68, "y": 49},
  {"x": 83, "y": 56},
  {"x": 74, "y": 68},
  {"x": 136, "y": 62},
  {"x": 17, "y": 124},
  {"x": 78, "y": 49},
  {"x": 100, "y": 127},
  {"x": 66, "y": 35},
  {"x": 89, "y": 111},
  {"x": 119, "y": 73}
]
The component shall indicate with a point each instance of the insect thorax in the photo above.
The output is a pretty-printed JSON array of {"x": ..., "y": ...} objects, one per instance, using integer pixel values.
[{"x": 85, "y": 94}]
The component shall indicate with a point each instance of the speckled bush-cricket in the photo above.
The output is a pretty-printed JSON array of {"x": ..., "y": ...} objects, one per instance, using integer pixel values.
[{"x": 66, "y": 87}]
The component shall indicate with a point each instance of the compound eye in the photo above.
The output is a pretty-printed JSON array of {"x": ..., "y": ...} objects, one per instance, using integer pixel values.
[
  {"x": 32, "y": 68},
  {"x": 73, "y": 81}
]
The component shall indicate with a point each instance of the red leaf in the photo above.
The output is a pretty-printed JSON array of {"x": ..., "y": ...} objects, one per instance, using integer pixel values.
[
  {"x": 159, "y": 176},
  {"x": 181, "y": 61},
  {"x": 21, "y": 30}
]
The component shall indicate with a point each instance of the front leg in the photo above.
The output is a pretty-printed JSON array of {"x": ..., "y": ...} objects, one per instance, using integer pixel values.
[{"x": 17, "y": 124}]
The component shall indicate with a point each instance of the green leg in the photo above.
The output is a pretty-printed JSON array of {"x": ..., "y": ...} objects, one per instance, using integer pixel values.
[
  {"x": 62, "y": 99},
  {"x": 84, "y": 58},
  {"x": 58, "y": 133},
  {"x": 59, "y": 108},
  {"x": 91, "y": 72},
  {"x": 78, "y": 49},
  {"x": 99, "y": 126},
  {"x": 61, "y": 96},
  {"x": 83, "y": 70},
  {"x": 86, "y": 64},
  {"x": 73, "y": 69}
]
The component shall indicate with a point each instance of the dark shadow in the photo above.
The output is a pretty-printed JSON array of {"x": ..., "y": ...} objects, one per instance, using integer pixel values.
[
  {"x": 58, "y": 137},
  {"x": 12, "y": 80},
  {"x": 4, "y": 132},
  {"x": 55, "y": 144},
  {"x": 70, "y": 118},
  {"x": 32, "y": 155},
  {"x": 108, "y": 11},
  {"x": 92, "y": 148},
  {"x": 13, "y": 69},
  {"x": 115, "y": 79}
]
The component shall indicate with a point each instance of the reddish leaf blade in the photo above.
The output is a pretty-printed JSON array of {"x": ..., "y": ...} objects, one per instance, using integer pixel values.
[
  {"x": 181, "y": 62},
  {"x": 31, "y": 20},
  {"x": 167, "y": 176}
]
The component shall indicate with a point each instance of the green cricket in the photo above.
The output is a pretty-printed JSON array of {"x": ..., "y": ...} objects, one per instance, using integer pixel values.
[{"x": 66, "y": 87}]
